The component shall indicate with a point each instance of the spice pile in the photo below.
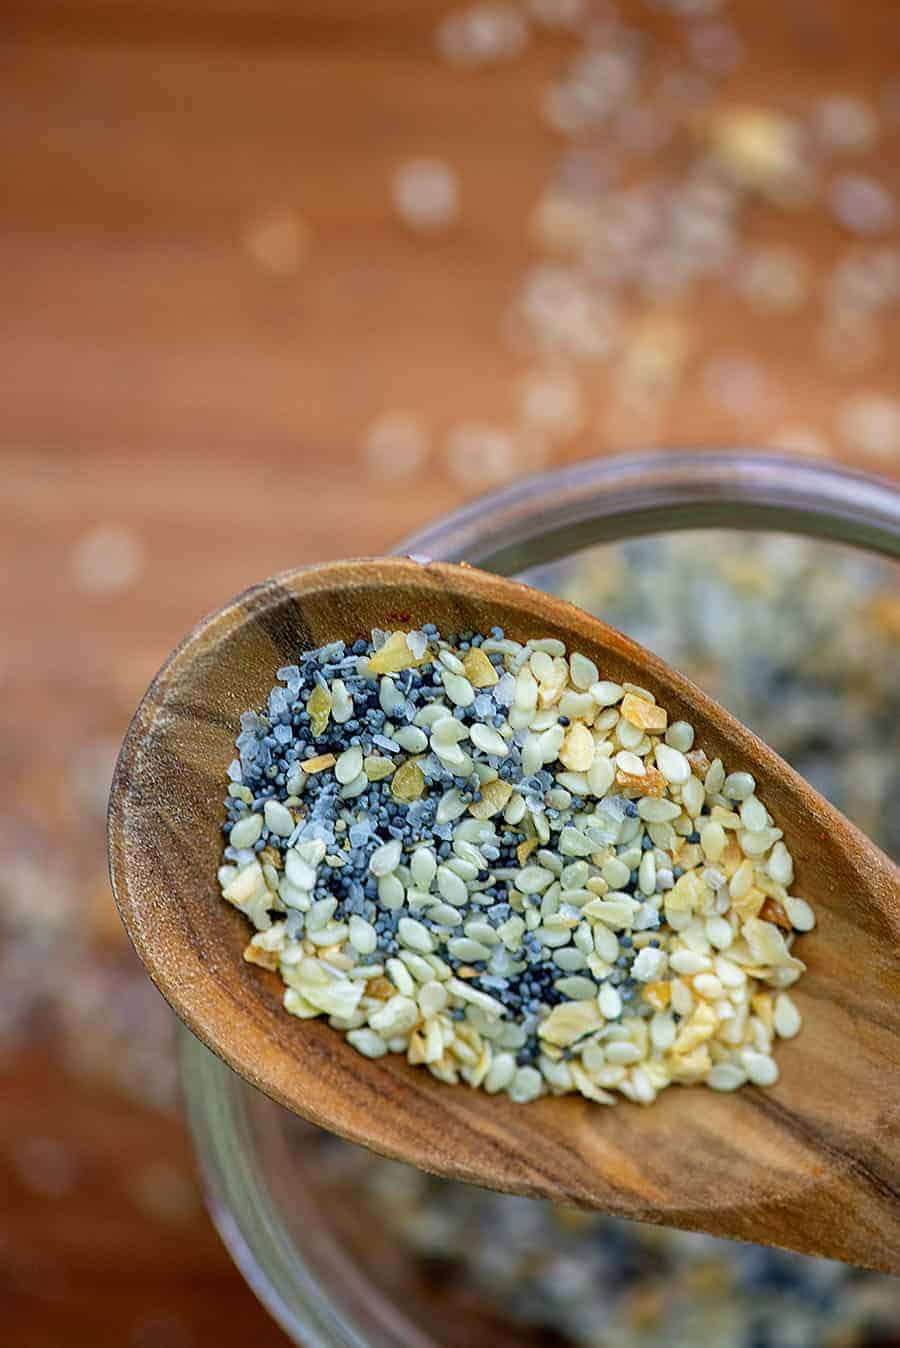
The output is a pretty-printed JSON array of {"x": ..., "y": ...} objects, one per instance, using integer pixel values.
[
  {"x": 798, "y": 639},
  {"x": 520, "y": 1273},
  {"x": 486, "y": 856},
  {"x": 697, "y": 235}
]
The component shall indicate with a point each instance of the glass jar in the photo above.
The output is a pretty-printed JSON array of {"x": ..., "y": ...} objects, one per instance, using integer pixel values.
[{"x": 797, "y": 637}]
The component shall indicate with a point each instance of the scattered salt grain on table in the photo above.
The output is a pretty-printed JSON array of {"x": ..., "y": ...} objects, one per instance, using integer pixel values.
[{"x": 426, "y": 194}]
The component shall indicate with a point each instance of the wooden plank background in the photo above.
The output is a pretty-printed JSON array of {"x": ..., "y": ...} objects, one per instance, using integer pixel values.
[{"x": 156, "y": 383}]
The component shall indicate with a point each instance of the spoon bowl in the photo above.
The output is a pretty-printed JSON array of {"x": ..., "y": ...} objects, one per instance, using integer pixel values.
[{"x": 810, "y": 1164}]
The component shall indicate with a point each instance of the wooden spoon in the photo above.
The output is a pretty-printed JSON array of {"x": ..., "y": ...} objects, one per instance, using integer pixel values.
[{"x": 811, "y": 1164}]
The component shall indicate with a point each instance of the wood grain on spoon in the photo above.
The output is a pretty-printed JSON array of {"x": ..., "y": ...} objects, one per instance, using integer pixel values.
[{"x": 810, "y": 1164}]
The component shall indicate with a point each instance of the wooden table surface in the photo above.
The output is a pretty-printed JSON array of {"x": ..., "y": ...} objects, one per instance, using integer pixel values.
[{"x": 181, "y": 415}]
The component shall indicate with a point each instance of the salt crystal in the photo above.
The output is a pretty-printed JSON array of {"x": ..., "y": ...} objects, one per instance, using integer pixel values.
[
  {"x": 480, "y": 455},
  {"x": 871, "y": 423},
  {"x": 861, "y": 204},
  {"x": 505, "y": 690},
  {"x": 801, "y": 440},
  {"x": 773, "y": 280},
  {"x": 107, "y": 560},
  {"x": 426, "y": 194},
  {"x": 384, "y": 742},
  {"x": 845, "y": 123},
  {"x": 553, "y": 402},
  {"x": 716, "y": 48},
  {"x": 484, "y": 34},
  {"x": 866, "y": 278},
  {"x": 417, "y": 643},
  {"x": 736, "y": 384},
  {"x": 277, "y": 241},
  {"x": 395, "y": 446},
  {"x": 558, "y": 13}
]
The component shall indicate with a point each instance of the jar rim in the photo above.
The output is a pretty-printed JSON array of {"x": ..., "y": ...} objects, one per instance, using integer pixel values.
[{"x": 540, "y": 518}]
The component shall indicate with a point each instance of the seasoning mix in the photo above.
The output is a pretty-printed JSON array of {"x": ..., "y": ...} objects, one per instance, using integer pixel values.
[{"x": 485, "y": 855}]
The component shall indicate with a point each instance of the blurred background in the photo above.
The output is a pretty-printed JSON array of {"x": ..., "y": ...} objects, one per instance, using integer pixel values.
[{"x": 283, "y": 282}]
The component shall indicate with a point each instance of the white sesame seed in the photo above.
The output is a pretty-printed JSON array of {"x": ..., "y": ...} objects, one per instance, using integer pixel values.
[
  {"x": 320, "y": 914},
  {"x": 459, "y": 690},
  {"x": 584, "y": 672},
  {"x": 629, "y": 762},
  {"x": 533, "y": 879},
  {"x": 450, "y": 806},
  {"x": 680, "y": 736},
  {"x": 391, "y": 894},
  {"x": 780, "y": 864},
  {"x": 662, "y": 1030},
  {"x": 760, "y": 1068},
  {"x": 363, "y": 936},
  {"x": 622, "y": 1054},
  {"x": 399, "y": 975},
  {"x": 349, "y": 765},
  {"x": 414, "y": 935},
  {"x": 647, "y": 874},
  {"x": 450, "y": 886},
  {"x": 526, "y": 1085},
  {"x": 605, "y": 693},
  {"x": 786, "y": 1017},
  {"x": 692, "y": 796},
  {"x": 423, "y": 866},
  {"x": 398, "y": 1015},
  {"x": 687, "y": 962},
  {"x": 713, "y": 840},
  {"x": 672, "y": 764},
  {"x": 757, "y": 842},
  {"x": 246, "y": 831},
  {"x": 800, "y": 915},
  {"x": 386, "y": 858},
  {"x": 600, "y": 776},
  {"x": 708, "y": 986},
  {"x": 367, "y": 1042},
  {"x": 726, "y": 1076},
  {"x": 655, "y": 809},
  {"x": 411, "y": 738},
  {"x": 719, "y": 932},
  {"x": 488, "y": 740},
  {"x": 753, "y": 814},
  {"x": 738, "y": 785}
]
